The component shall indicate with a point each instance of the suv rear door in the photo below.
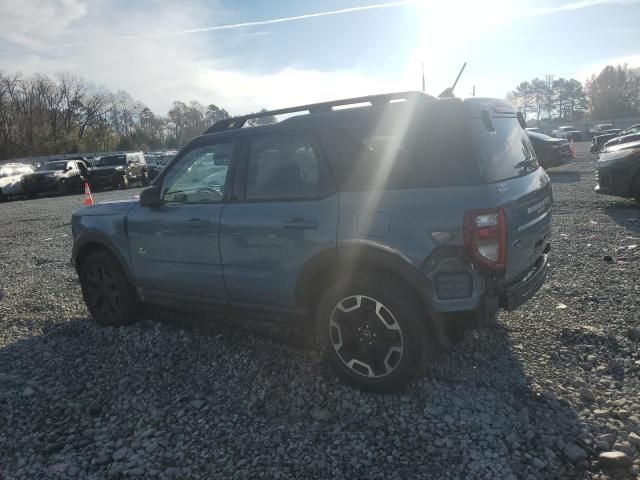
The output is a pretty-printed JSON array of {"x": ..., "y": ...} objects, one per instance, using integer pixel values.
[{"x": 286, "y": 213}]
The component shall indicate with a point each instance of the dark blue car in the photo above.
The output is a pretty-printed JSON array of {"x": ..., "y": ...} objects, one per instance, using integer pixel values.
[{"x": 385, "y": 227}]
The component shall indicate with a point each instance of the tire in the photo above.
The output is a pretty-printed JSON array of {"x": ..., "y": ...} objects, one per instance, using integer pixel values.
[
  {"x": 2, "y": 197},
  {"x": 123, "y": 183},
  {"x": 108, "y": 294},
  {"x": 381, "y": 351},
  {"x": 145, "y": 179}
]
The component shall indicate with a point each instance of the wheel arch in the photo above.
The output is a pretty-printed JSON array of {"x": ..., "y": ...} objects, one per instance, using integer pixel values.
[
  {"x": 352, "y": 258},
  {"x": 91, "y": 243}
]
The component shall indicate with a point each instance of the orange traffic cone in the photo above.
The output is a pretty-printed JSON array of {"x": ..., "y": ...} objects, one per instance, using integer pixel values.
[
  {"x": 572, "y": 147},
  {"x": 88, "y": 198}
]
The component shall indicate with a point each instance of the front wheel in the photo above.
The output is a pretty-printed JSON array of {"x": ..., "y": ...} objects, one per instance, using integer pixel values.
[
  {"x": 108, "y": 294},
  {"x": 145, "y": 179},
  {"x": 372, "y": 331}
]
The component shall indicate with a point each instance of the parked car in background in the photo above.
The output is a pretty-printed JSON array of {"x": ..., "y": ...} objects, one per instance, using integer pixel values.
[
  {"x": 618, "y": 171},
  {"x": 551, "y": 152},
  {"x": 119, "y": 171},
  {"x": 59, "y": 176},
  {"x": 567, "y": 132},
  {"x": 11, "y": 179},
  {"x": 600, "y": 128},
  {"x": 161, "y": 161},
  {"x": 329, "y": 216},
  {"x": 616, "y": 136},
  {"x": 533, "y": 129},
  {"x": 631, "y": 134}
]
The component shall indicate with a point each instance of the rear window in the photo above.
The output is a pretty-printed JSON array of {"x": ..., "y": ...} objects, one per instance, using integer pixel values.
[
  {"x": 505, "y": 152},
  {"x": 433, "y": 150}
]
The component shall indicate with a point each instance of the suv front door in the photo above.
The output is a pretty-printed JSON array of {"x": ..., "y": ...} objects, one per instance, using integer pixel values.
[
  {"x": 174, "y": 248},
  {"x": 285, "y": 213}
]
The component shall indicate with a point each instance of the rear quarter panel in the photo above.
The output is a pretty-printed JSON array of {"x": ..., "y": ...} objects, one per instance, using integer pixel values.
[{"x": 405, "y": 221}]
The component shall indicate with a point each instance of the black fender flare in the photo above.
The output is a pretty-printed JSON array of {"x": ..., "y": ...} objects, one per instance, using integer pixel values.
[
  {"x": 91, "y": 241},
  {"x": 362, "y": 254}
]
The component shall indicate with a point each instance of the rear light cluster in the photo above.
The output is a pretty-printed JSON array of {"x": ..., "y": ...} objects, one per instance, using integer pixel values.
[{"x": 485, "y": 237}]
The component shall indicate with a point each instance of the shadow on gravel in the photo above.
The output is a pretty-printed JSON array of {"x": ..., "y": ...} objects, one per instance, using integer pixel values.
[
  {"x": 211, "y": 397},
  {"x": 564, "y": 177},
  {"x": 625, "y": 213}
]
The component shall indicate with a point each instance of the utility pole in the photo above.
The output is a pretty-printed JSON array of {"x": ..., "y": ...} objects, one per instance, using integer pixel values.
[{"x": 423, "y": 84}]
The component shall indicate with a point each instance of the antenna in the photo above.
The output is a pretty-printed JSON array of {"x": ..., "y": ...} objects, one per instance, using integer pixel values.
[
  {"x": 448, "y": 92},
  {"x": 423, "y": 85}
]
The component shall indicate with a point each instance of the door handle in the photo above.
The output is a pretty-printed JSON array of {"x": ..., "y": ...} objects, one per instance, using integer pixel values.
[
  {"x": 197, "y": 223},
  {"x": 301, "y": 224}
]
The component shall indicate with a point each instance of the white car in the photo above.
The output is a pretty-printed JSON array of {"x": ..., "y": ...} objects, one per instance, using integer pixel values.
[
  {"x": 568, "y": 133},
  {"x": 10, "y": 179}
]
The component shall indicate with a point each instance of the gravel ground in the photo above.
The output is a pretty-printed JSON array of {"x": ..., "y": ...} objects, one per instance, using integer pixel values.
[{"x": 547, "y": 393}]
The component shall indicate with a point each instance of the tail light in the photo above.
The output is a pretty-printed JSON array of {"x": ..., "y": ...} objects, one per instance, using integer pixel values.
[{"x": 485, "y": 237}]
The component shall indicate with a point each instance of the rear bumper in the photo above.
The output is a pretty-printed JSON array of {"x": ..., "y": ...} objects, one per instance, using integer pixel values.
[{"x": 520, "y": 291}]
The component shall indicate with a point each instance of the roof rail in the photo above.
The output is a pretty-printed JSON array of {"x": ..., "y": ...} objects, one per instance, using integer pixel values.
[{"x": 375, "y": 100}]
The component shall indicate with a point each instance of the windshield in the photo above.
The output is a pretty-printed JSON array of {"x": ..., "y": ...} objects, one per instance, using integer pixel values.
[
  {"x": 51, "y": 166},
  {"x": 112, "y": 161}
]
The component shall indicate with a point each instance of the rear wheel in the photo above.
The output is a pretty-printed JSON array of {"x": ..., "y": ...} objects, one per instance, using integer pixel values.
[
  {"x": 372, "y": 331},
  {"x": 108, "y": 294}
]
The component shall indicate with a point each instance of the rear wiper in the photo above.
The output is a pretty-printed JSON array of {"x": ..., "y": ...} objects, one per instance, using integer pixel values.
[{"x": 530, "y": 162}]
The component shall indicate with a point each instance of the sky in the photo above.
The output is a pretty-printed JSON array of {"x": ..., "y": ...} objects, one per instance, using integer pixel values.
[{"x": 244, "y": 55}]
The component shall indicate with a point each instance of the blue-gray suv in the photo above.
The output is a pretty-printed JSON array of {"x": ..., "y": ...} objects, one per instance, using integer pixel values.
[{"x": 387, "y": 223}]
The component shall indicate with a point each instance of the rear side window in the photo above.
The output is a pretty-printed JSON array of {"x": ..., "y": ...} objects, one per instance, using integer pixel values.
[
  {"x": 505, "y": 151},
  {"x": 286, "y": 167},
  {"x": 434, "y": 150}
]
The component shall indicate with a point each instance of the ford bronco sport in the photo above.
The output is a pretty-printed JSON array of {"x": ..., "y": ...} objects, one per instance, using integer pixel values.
[{"x": 382, "y": 225}]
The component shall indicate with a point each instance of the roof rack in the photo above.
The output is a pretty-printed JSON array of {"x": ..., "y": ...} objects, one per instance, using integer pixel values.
[{"x": 375, "y": 100}]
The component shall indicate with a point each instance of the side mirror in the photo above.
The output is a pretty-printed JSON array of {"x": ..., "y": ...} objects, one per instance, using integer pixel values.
[{"x": 150, "y": 197}]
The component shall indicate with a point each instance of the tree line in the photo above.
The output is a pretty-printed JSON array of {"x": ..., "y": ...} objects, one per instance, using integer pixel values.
[
  {"x": 613, "y": 93},
  {"x": 41, "y": 115}
]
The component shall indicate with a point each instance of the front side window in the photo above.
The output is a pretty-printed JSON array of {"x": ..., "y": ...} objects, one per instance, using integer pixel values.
[
  {"x": 200, "y": 176},
  {"x": 285, "y": 167}
]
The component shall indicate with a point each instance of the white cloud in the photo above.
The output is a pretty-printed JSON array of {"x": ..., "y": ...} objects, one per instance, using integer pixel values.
[
  {"x": 157, "y": 69},
  {"x": 29, "y": 23}
]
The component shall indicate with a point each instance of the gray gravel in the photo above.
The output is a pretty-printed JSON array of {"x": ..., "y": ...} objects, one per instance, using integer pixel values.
[{"x": 550, "y": 392}]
